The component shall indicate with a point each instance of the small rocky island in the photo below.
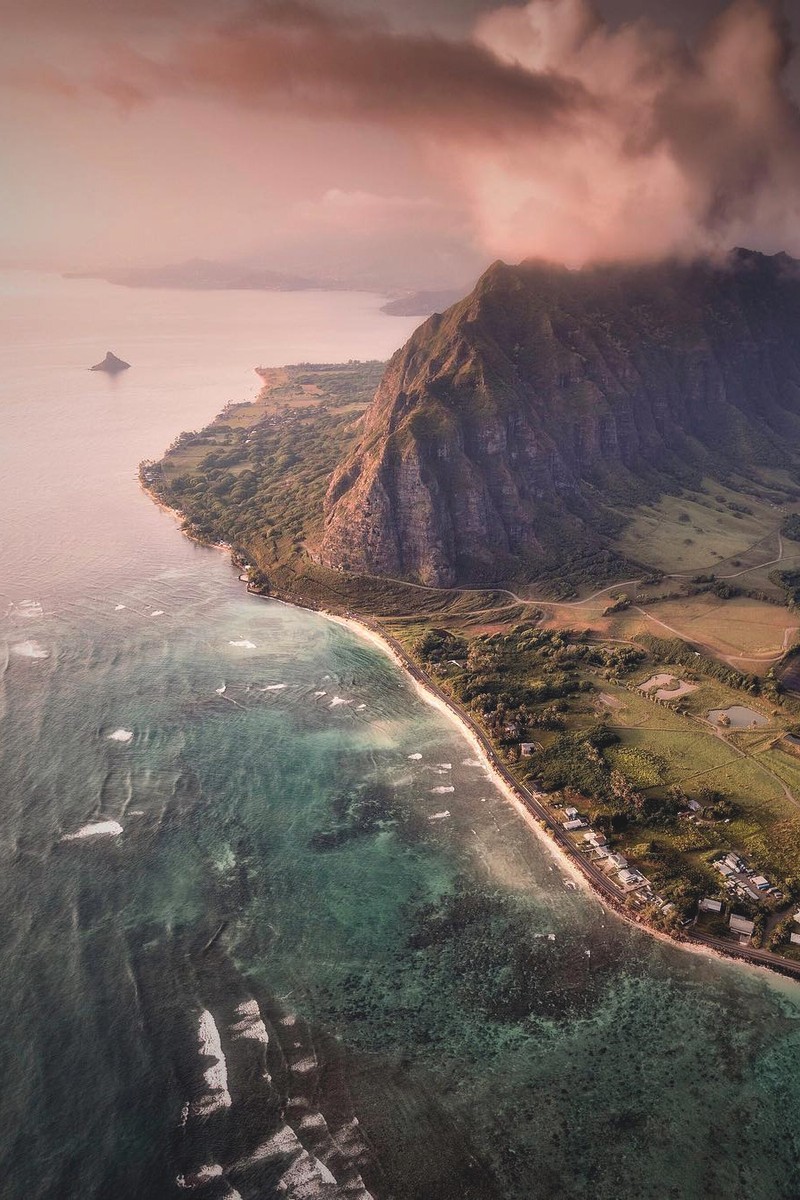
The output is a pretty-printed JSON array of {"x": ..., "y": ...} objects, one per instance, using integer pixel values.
[{"x": 111, "y": 364}]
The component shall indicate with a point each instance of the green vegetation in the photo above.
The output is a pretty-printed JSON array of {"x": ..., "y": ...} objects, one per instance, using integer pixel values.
[
  {"x": 636, "y": 766},
  {"x": 256, "y": 477}
]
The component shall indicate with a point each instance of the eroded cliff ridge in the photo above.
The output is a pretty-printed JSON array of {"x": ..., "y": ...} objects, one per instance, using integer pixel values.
[{"x": 510, "y": 433}]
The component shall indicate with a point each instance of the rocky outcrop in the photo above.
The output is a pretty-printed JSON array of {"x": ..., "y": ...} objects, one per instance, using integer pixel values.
[
  {"x": 507, "y": 433},
  {"x": 111, "y": 364}
]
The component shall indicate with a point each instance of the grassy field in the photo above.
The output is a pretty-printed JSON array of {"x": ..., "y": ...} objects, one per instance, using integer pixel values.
[{"x": 702, "y": 530}]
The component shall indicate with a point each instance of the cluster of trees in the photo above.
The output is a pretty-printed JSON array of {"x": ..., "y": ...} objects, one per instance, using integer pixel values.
[
  {"x": 268, "y": 480},
  {"x": 674, "y": 650},
  {"x": 790, "y": 527}
]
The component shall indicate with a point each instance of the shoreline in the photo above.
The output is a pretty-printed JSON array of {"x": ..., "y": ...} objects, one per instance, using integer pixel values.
[
  {"x": 564, "y": 858},
  {"x": 426, "y": 693},
  {"x": 593, "y": 882}
]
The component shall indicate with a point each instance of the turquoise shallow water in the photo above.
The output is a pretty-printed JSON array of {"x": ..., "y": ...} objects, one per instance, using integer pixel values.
[{"x": 302, "y": 968}]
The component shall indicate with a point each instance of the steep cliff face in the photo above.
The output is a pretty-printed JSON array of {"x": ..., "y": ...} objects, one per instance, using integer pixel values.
[{"x": 506, "y": 431}]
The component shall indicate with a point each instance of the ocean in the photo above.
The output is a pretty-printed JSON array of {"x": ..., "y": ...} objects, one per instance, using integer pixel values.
[{"x": 268, "y": 929}]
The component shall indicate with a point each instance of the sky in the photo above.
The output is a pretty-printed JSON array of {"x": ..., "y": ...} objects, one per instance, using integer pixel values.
[{"x": 399, "y": 144}]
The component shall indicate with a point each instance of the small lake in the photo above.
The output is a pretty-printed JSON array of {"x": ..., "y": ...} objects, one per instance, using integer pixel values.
[{"x": 738, "y": 716}]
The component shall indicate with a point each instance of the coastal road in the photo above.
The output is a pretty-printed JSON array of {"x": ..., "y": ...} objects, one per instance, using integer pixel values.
[{"x": 533, "y": 801}]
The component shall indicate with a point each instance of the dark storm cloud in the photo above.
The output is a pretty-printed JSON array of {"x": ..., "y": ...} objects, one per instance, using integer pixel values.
[
  {"x": 309, "y": 61},
  {"x": 568, "y": 135}
]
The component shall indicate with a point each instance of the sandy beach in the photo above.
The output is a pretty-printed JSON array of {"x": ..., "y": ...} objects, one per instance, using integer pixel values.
[{"x": 562, "y": 858}]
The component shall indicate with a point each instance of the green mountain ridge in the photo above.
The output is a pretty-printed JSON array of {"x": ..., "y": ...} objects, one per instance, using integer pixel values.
[{"x": 508, "y": 433}]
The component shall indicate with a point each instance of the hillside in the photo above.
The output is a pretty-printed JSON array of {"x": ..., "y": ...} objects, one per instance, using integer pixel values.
[{"x": 522, "y": 429}]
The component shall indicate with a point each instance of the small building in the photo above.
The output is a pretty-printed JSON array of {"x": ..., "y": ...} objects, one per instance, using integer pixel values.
[
  {"x": 631, "y": 878},
  {"x": 795, "y": 938},
  {"x": 618, "y": 861},
  {"x": 600, "y": 839},
  {"x": 741, "y": 925},
  {"x": 797, "y": 916},
  {"x": 527, "y": 749},
  {"x": 724, "y": 869},
  {"x": 708, "y": 905},
  {"x": 733, "y": 861},
  {"x": 573, "y": 825},
  {"x": 694, "y": 806},
  {"x": 761, "y": 883},
  {"x": 572, "y": 813}
]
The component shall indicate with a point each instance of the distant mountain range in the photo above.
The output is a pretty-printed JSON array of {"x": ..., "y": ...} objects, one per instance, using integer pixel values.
[
  {"x": 513, "y": 433},
  {"x": 199, "y": 274}
]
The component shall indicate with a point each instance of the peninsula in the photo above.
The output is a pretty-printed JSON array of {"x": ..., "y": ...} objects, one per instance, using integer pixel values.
[{"x": 571, "y": 506}]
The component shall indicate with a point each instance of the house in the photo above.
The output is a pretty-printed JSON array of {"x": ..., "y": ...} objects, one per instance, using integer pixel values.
[
  {"x": 573, "y": 825},
  {"x": 526, "y": 749},
  {"x": 761, "y": 883},
  {"x": 618, "y": 862},
  {"x": 712, "y": 906},
  {"x": 694, "y": 806},
  {"x": 631, "y": 878},
  {"x": 741, "y": 925},
  {"x": 600, "y": 839},
  {"x": 733, "y": 861},
  {"x": 797, "y": 916},
  {"x": 795, "y": 938},
  {"x": 572, "y": 813},
  {"x": 724, "y": 869}
]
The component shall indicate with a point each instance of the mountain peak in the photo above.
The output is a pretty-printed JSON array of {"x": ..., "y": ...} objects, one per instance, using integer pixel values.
[{"x": 510, "y": 431}]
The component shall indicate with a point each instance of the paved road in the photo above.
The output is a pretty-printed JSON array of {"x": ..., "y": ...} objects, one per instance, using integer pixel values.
[{"x": 764, "y": 958}]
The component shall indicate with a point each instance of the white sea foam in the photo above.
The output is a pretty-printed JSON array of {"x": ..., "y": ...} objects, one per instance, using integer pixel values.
[
  {"x": 317, "y": 695},
  {"x": 94, "y": 829},
  {"x": 30, "y": 650},
  {"x": 209, "y": 1171},
  {"x": 440, "y": 791},
  {"x": 415, "y": 757},
  {"x": 276, "y": 687},
  {"x": 221, "y": 690},
  {"x": 440, "y": 816},
  {"x": 283, "y": 1141},
  {"x": 472, "y": 762},
  {"x": 243, "y": 644},
  {"x": 325, "y": 1174},
  {"x": 29, "y": 610},
  {"x": 304, "y": 1065},
  {"x": 288, "y": 1020},
  {"x": 157, "y": 612},
  {"x": 250, "y": 1025},
  {"x": 216, "y": 1073},
  {"x": 121, "y": 735},
  {"x": 118, "y": 607},
  {"x": 360, "y": 707},
  {"x": 445, "y": 766},
  {"x": 337, "y": 700}
]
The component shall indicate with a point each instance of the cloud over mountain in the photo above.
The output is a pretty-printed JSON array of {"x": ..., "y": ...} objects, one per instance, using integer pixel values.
[{"x": 558, "y": 134}]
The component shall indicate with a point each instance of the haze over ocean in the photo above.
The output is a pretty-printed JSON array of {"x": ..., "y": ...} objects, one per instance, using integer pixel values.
[{"x": 198, "y": 982}]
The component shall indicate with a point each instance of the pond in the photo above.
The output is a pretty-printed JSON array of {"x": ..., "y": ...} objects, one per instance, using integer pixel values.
[{"x": 738, "y": 716}]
